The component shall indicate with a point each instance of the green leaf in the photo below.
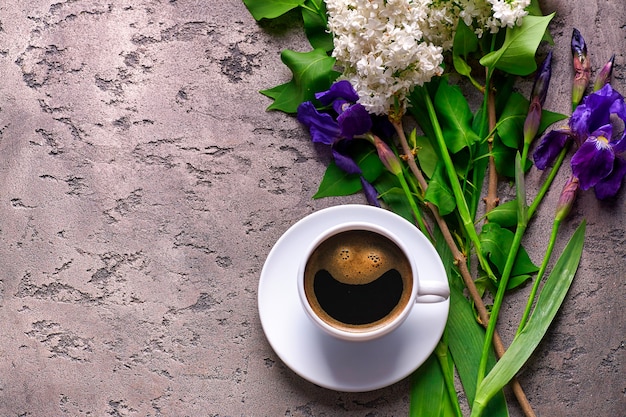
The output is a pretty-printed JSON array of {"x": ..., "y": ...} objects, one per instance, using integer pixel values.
[
  {"x": 550, "y": 300},
  {"x": 511, "y": 124},
  {"x": 548, "y": 118},
  {"x": 393, "y": 195},
  {"x": 418, "y": 106},
  {"x": 496, "y": 242},
  {"x": 485, "y": 283},
  {"x": 461, "y": 66},
  {"x": 517, "y": 54},
  {"x": 455, "y": 117},
  {"x": 367, "y": 159},
  {"x": 315, "y": 25},
  {"x": 337, "y": 182},
  {"x": 439, "y": 192},
  {"x": 465, "y": 340},
  {"x": 426, "y": 155},
  {"x": 505, "y": 214},
  {"x": 465, "y": 40},
  {"x": 505, "y": 158},
  {"x": 534, "y": 9},
  {"x": 476, "y": 177},
  {"x": 465, "y": 43},
  {"x": 464, "y": 335},
  {"x": 517, "y": 281},
  {"x": 269, "y": 9},
  {"x": 312, "y": 72},
  {"x": 428, "y": 395}
]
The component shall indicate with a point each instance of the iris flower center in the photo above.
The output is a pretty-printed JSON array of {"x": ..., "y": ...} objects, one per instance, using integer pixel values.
[{"x": 602, "y": 142}]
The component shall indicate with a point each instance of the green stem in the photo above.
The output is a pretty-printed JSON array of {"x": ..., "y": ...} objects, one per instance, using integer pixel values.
[
  {"x": 525, "y": 153},
  {"x": 477, "y": 409},
  {"x": 548, "y": 182},
  {"x": 416, "y": 213},
  {"x": 522, "y": 223},
  {"x": 497, "y": 303},
  {"x": 461, "y": 203},
  {"x": 441, "y": 351},
  {"x": 542, "y": 270}
]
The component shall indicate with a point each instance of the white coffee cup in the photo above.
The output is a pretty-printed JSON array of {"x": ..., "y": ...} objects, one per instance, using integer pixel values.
[{"x": 358, "y": 281}]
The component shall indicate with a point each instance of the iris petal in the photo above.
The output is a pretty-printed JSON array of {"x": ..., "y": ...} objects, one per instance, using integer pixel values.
[
  {"x": 605, "y": 131},
  {"x": 340, "y": 105},
  {"x": 596, "y": 110},
  {"x": 549, "y": 147},
  {"x": 592, "y": 162},
  {"x": 610, "y": 185},
  {"x": 354, "y": 121},
  {"x": 579, "y": 122},
  {"x": 619, "y": 108},
  {"x": 619, "y": 145},
  {"x": 323, "y": 128},
  {"x": 346, "y": 163},
  {"x": 339, "y": 90}
]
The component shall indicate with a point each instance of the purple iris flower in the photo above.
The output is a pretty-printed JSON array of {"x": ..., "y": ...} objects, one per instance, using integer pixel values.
[
  {"x": 339, "y": 126},
  {"x": 598, "y": 161},
  {"x": 350, "y": 120}
]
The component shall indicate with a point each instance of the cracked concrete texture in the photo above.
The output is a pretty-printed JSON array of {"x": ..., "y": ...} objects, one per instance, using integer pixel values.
[{"x": 143, "y": 184}]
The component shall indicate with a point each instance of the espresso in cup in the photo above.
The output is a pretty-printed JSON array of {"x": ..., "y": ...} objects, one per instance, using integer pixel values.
[{"x": 358, "y": 280}]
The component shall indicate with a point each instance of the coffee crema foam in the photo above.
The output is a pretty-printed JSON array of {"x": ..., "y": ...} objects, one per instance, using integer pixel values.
[{"x": 358, "y": 258}]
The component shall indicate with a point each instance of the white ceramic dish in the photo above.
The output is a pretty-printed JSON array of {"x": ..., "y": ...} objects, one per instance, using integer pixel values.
[{"x": 337, "y": 364}]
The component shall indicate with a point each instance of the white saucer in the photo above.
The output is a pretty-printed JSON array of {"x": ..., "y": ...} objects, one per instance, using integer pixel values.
[{"x": 337, "y": 364}]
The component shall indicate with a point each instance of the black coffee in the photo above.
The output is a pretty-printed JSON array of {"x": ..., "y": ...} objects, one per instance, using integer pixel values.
[
  {"x": 358, "y": 304},
  {"x": 358, "y": 280}
]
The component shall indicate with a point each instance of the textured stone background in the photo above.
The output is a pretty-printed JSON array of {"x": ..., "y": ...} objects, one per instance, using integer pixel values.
[{"x": 142, "y": 185}]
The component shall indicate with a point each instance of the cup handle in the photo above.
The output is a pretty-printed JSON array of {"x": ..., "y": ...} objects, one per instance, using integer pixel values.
[{"x": 432, "y": 292}]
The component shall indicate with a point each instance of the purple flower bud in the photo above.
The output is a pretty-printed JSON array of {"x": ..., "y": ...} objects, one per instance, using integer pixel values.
[
  {"x": 567, "y": 198},
  {"x": 579, "y": 47},
  {"x": 533, "y": 119},
  {"x": 542, "y": 79},
  {"x": 387, "y": 157},
  {"x": 604, "y": 76},
  {"x": 371, "y": 195},
  {"x": 537, "y": 98},
  {"x": 582, "y": 67}
]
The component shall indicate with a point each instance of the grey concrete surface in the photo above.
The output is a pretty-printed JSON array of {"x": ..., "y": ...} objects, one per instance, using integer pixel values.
[{"x": 142, "y": 185}]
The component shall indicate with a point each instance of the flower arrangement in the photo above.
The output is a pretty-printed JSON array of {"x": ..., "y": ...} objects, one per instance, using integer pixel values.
[{"x": 377, "y": 63}]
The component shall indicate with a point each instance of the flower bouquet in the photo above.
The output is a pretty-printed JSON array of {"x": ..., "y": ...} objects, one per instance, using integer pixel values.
[{"x": 384, "y": 89}]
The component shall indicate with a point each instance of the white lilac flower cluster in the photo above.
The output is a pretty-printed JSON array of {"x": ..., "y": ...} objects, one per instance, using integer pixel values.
[
  {"x": 492, "y": 15},
  {"x": 380, "y": 45},
  {"x": 386, "y": 47}
]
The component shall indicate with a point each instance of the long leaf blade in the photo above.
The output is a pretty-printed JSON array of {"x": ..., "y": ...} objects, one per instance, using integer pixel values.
[
  {"x": 548, "y": 304},
  {"x": 428, "y": 394},
  {"x": 464, "y": 335}
]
